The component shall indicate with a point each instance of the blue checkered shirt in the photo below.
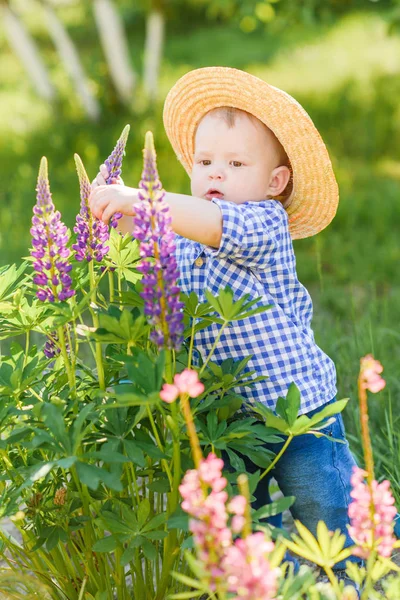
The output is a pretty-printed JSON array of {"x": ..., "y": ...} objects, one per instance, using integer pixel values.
[{"x": 256, "y": 257}]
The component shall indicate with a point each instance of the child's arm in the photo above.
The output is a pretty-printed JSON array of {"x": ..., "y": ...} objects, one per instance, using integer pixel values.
[{"x": 194, "y": 218}]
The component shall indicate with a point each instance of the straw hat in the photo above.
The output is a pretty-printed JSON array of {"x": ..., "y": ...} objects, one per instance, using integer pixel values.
[{"x": 314, "y": 198}]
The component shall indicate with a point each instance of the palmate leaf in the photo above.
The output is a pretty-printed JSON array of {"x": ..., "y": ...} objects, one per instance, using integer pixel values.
[
  {"x": 274, "y": 508},
  {"x": 233, "y": 310},
  {"x": 285, "y": 420},
  {"x": 193, "y": 307},
  {"x": 325, "y": 550},
  {"x": 9, "y": 276},
  {"x": 124, "y": 253}
]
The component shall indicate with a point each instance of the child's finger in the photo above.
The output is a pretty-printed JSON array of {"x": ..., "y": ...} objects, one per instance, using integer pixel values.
[
  {"x": 107, "y": 213},
  {"x": 97, "y": 202},
  {"x": 96, "y": 193},
  {"x": 104, "y": 171},
  {"x": 100, "y": 179}
]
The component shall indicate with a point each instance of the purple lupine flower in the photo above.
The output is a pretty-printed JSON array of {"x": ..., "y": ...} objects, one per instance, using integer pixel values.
[
  {"x": 114, "y": 164},
  {"x": 49, "y": 241},
  {"x": 152, "y": 222},
  {"x": 51, "y": 349},
  {"x": 92, "y": 233}
]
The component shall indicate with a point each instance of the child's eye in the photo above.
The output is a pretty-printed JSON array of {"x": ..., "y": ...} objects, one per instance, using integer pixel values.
[
  {"x": 205, "y": 162},
  {"x": 237, "y": 163}
]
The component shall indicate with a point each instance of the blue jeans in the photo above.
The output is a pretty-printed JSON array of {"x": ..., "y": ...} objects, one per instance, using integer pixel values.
[{"x": 317, "y": 472}]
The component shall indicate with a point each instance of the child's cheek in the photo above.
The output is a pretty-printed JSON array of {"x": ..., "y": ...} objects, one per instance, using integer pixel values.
[{"x": 195, "y": 183}]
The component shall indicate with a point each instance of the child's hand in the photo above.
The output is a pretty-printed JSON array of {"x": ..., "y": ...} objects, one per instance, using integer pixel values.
[
  {"x": 102, "y": 177},
  {"x": 106, "y": 200}
]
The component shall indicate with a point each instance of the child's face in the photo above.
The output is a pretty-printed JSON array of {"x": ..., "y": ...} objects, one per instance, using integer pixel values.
[{"x": 236, "y": 163}]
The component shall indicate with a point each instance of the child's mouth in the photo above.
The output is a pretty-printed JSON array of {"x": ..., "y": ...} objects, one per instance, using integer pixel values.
[{"x": 214, "y": 194}]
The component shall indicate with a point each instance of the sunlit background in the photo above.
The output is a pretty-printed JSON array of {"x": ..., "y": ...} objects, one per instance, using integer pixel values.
[{"x": 74, "y": 72}]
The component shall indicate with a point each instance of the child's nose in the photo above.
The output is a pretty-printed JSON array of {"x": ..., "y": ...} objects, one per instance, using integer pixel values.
[{"x": 217, "y": 173}]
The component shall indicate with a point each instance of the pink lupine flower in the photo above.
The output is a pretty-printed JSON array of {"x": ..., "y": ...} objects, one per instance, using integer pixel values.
[
  {"x": 205, "y": 500},
  {"x": 371, "y": 518},
  {"x": 237, "y": 507},
  {"x": 248, "y": 572},
  {"x": 370, "y": 370},
  {"x": 169, "y": 393},
  {"x": 186, "y": 382}
]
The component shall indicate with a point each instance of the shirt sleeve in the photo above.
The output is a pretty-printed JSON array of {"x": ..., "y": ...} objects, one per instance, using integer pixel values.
[{"x": 251, "y": 232}]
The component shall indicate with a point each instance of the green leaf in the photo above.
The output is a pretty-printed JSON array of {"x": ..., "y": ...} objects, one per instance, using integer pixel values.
[
  {"x": 41, "y": 471},
  {"x": 188, "y": 581},
  {"x": 143, "y": 511},
  {"x": 145, "y": 374},
  {"x": 54, "y": 420},
  {"x": 212, "y": 424},
  {"x": 155, "y": 522},
  {"x": 53, "y": 539},
  {"x": 160, "y": 486},
  {"x": 134, "y": 453},
  {"x": 235, "y": 461},
  {"x": 149, "y": 550},
  {"x": 274, "y": 508},
  {"x": 178, "y": 520},
  {"x": 89, "y": 475},
  {"x": 127, "y": 556},
  {"x": 107, "y": 544},
  {"x": 66, "y": 463},
  {"x": 106, "y": 456},
  {"x": 293, "y": 401}
]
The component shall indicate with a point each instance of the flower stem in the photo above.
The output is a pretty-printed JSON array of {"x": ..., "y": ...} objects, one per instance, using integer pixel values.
[
  {"x": 99, "y": 356},
  {"x": 366, "y": 439},
  {"x": 277, "y": 457},
  {"x": 193, "y": 437},
  {"x": 243, "y": 483},
  {"x": 191, "y": 344},
  {"x": 333, "y": 580},
  {"x": 111, "y": 285},
  {"x": 214, "y": 346},
  {"x": 70, "y": 372}
]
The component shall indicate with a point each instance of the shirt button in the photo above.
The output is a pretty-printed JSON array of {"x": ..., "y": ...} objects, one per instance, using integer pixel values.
[{"x": 199, "y": 262}]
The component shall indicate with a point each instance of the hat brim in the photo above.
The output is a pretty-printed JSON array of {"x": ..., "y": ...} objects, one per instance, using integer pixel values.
[{"x": 314, "y": 199}]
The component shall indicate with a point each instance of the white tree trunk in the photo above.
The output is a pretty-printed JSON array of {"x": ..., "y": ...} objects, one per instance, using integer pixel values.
[
  {"x": 72, "y": 64},
  {"x": 115, "y": 48},
  {"x": 153, "y": 50},
  {"x": 25, "y": 48}
]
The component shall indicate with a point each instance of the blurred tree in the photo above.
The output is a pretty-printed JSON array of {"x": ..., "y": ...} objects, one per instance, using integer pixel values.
[
  {"x": 153, "y": 50},
  {"x": 26, "y": 49},
  {"x": 115, "y": 47},
  {"x": 70, "y": 58}
]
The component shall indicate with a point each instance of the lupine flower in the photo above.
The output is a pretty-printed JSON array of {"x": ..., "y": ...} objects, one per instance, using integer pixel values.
[
  {"x": 49, "y": 241},
  {"x": 248, "y": 573},
  {"x": 114, "y": 164},
  {"x": 371, "y": 515},
  {"x": 186, "y": 382},
  {"x": 210, "y": 523},
  {"x": 51, "y": 349},
  {"x": 370, "y": 370},
  {"x": 204, "y": 499},
  {"x": 92, "y": 233},
  {"x": 152, "y": 222}
]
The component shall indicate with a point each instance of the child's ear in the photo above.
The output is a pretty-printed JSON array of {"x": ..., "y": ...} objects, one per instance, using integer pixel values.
[{"x": 279, "y": 179}]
